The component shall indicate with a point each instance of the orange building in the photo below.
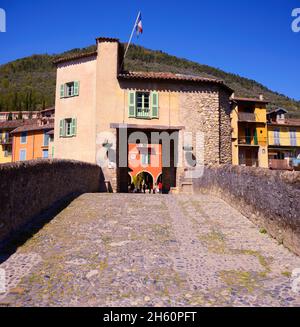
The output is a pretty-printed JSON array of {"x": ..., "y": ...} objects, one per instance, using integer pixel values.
[
  {"x": 145, "y": 160},
  {"x": 31, "y": 141}
]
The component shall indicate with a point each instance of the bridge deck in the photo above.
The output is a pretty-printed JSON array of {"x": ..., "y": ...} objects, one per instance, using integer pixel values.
[{"x": 136, "y": 250}]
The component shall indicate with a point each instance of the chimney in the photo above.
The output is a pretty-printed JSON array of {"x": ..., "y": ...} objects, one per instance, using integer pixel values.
[{"x": 261, "y": 97}]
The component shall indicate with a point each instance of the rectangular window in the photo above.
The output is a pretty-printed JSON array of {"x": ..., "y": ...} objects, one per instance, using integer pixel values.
[
  {"x": 45, "y": 154},
  {"x": 70, "y": 89},
  {"x": 46, "y": 139},
  {"x": 23, "y": 155},
  {"x": 277, "y": 136},
  {"x": 143, "y": 105},
  {"x": 68, "y": 127},
  {"x": 24, "y": 138},
  {"x": 293, "y": 137}
]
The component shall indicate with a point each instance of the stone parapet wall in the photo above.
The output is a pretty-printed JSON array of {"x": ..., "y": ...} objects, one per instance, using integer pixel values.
[
  {"x": 29, "y": 188},
  {"x": 270, "y": 199}
]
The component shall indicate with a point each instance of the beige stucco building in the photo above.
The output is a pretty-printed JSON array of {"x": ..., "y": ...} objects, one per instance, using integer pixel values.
[{"x": 95, "y": 96}]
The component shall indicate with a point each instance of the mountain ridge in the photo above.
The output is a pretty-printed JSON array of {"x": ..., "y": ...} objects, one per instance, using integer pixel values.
[{"x": 29, "y": 83}]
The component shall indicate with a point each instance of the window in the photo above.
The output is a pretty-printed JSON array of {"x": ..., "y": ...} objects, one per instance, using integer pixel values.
[
  {"x": 293, "y": 137},
  {"x": 143, "y": 105},
  {"x": 277, "y": 136},
  {"x": 24, "y": 138},
  {"x": 46, "y": 139},
  {"x": 68, "y": 127},
  {"x": 70, "y": 89},
  {"x": 45, "y": 154},
  {"x": 23, "y": 155}
]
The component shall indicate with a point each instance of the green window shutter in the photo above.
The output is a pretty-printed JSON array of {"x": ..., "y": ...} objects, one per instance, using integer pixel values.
[
  {"x": 155, "y": 104},
  {"x": 76, "y": 88},
  {"x": 62, "y": 91},
  {"x": 131, "y": 104},
  {"x": 62, "y": 128},
  {"x": 74, "y": 126}
]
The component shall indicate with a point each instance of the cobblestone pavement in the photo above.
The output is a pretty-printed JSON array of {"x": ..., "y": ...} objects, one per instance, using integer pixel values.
[{"x": 150, "y": 250}]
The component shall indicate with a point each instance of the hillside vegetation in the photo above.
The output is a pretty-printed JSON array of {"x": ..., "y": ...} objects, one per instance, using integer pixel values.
[{"x": 29, "y": 83}]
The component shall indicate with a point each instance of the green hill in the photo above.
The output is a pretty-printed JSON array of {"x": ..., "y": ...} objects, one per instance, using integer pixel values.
[{"x": 29, "y": 83}]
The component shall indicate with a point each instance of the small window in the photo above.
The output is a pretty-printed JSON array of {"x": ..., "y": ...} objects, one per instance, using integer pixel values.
[
  {"x": 142, "y": 104},
  {"x": 68, "y": 127},
  {"x": 23, "y": 155},
  {"x": 24, "y": 138},
  {"x": 46, "y": 139},
  {"x": 45, "y": 154},
  {"x": 68, "y": 124},
  {"x": 70, "y": 89}
]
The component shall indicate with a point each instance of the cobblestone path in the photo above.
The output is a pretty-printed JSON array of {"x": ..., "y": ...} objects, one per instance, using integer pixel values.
[{"x": 150, "y": 250}]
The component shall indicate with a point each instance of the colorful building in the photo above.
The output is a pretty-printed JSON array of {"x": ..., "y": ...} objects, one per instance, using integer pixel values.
[
  {"x": 146, "y": 160},
  {"x": 6, "y": 140},
  {"x": 32, "y": 140},
  {"x": 97, "y": 102},
  {"x": 284, "y": 139},
  {"x": 249, "y": 132}
]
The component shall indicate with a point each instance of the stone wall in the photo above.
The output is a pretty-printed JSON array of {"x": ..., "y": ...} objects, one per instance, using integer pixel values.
[
  {"x": 268, "y": 198},
  {"x": 29, "y": 188}
]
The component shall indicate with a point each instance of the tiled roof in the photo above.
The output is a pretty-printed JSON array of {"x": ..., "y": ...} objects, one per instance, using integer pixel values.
[
  {"x": 106, "y": 39},
  {"x": 12, "y": 124},
  {"x": 48, "y": 109},
  {"x": 249, "y": 100},
  {"x": 288, "y": 122},
  {"x": 169, "y": 76},
  {"x": 75, "y": 57},
  {"x": 33, "y": 127}
]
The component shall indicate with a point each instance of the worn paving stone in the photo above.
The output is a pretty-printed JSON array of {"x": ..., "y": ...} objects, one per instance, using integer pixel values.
[{"x": 150, "y": 250}]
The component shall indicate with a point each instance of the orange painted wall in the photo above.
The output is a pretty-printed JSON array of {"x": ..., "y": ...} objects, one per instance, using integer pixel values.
[
  {"x": 34, "y": 146},
  {"x": 135, "y": 162}
]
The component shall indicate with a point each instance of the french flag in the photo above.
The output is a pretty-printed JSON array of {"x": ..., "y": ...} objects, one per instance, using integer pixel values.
[{"x": 139, "y": 25}]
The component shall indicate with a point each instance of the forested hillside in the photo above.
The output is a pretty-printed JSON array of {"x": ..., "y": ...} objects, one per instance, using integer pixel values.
[{"x": 29, "y": 83}]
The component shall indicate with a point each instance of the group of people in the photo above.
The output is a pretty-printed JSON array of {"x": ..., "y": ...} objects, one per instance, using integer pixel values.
[{"x": 147, "y": 188}]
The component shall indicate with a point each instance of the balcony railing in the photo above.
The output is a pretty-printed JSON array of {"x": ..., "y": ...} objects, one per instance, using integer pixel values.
[
  {"x": 279, "y": 164},
  {"x": 6, "y": 140},
  {"x": 247, "y": 117},
  {"x": 253, "y": 141}
]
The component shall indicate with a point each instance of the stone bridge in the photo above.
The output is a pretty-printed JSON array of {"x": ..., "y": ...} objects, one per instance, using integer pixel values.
[{"x": 146, "y": 250}]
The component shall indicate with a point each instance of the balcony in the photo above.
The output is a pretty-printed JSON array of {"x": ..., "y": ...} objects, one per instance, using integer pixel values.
[
  {"x": 279, "y": 164},
  {"x": 252, "y": 141},
  {"x": 247, "y": 117},
  {"x": 6, "y": 140}
]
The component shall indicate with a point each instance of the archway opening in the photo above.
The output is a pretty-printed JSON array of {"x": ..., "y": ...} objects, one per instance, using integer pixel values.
[{"x": 143, "y": 183}]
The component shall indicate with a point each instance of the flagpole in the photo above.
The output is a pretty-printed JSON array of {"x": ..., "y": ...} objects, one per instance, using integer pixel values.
[{"x": 131, "y": 36}]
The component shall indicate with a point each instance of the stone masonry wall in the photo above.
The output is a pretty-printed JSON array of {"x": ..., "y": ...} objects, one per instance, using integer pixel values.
[
  {"x": 199, "y": 111},
  {"x": 268, "y": 198},
  {"x": 27, "y": 189},
  {"x": 225, "y": 128}
]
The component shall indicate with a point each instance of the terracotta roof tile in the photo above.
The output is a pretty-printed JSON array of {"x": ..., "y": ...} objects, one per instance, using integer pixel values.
[
  {"x": 75, "y": 57},
  {"x": 249, "y": 100},
  {"x": 12, "y": 124},
  {"x": 170, "y": 76},
  {"x": 106, "y": 39},
  {"x": 33, "y": 127}
]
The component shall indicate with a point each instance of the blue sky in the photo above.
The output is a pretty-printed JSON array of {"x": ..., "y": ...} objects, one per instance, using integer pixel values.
[{"x": 252, "y": 38}]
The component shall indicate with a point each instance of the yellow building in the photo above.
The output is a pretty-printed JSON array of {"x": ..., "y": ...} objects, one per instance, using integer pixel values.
[
  {"x": 249, "y": 132},
  {"x": 284, "y": 139},
  {"x": 6, "y": 140}
]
